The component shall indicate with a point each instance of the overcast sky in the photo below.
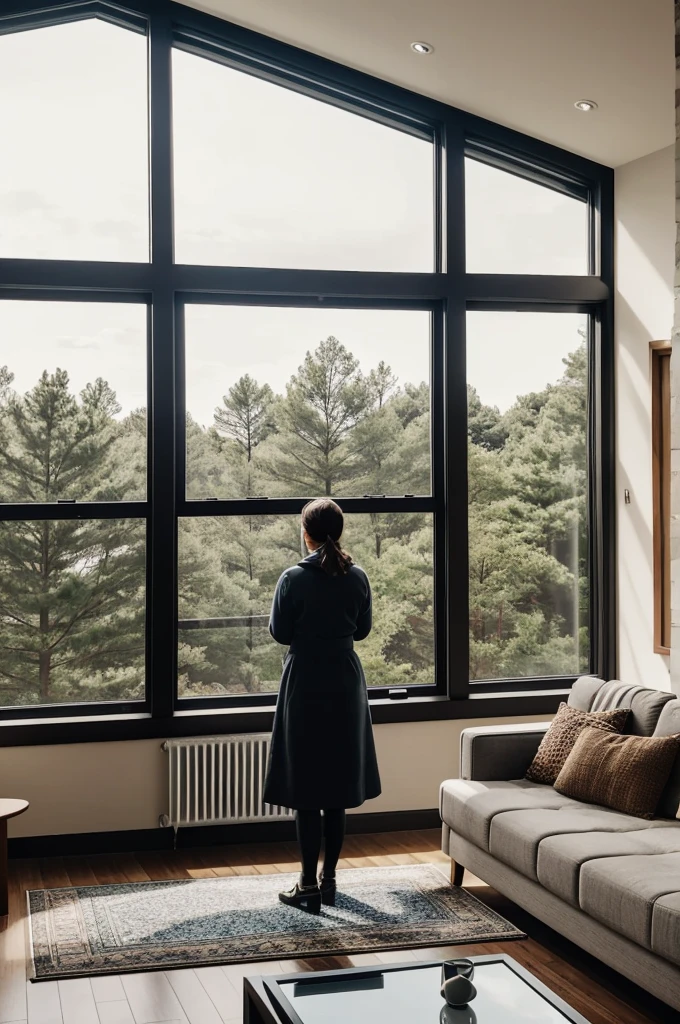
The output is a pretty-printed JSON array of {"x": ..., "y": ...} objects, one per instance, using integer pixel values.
[{"x": 263, "y": 177}]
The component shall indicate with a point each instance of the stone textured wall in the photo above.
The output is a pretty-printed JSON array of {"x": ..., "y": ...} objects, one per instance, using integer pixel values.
[{"x": 675, "y": 394}]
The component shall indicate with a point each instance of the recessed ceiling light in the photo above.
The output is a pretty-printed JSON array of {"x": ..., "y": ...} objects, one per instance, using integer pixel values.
[
  {"x": 422, "y": 48},
  {"x": 585, "y": 105}
]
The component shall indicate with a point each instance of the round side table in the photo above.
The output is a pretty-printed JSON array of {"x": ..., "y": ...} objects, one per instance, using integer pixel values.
[{"x": 8, "y": 809}]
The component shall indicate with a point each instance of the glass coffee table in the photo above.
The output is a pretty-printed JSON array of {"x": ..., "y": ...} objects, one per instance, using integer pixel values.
[{"x": 404, "y": 994}]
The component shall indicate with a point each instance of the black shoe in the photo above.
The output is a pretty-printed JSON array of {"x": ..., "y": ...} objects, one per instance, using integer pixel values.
[
  {"x": 305, "y": 897},
  {"x": 328, "y": 890}
]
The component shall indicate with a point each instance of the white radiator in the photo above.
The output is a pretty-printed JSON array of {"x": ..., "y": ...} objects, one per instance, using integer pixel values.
[{"x": 218, "y": 780}]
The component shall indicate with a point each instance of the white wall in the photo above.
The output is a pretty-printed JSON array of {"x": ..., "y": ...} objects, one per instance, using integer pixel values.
[
  {"x": 645, "y": 243},
  {"x": 102, "y": 787}
]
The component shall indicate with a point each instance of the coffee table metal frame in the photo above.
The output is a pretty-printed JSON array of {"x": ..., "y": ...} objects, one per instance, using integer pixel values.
[{"x": 264, "y": 1001}]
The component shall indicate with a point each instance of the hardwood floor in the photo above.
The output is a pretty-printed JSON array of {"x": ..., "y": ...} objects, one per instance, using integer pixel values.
[{"x": 212, "y": 995}]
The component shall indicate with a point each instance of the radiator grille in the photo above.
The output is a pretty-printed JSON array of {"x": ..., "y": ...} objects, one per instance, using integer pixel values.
[{"x": 219, "y": 779}]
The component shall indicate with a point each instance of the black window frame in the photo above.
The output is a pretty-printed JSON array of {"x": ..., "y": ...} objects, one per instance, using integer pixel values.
[{"x": 448, "y": 290}]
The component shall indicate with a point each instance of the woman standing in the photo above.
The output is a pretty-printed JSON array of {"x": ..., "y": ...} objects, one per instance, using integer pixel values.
[{"x": 322, "y": 753}]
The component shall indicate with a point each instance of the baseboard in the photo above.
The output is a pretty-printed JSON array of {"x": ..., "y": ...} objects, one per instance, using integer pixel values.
[{"x": 83, "y": 843}]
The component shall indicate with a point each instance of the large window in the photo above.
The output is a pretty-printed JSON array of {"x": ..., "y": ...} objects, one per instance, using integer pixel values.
[
  {"x": 297, "y": 402},
  {"x": 515, "y": 225},
  {"x": 73, "y": 434},
  {"x": 267, "y": 177},
  {"x": 74, "y": 168},
  {"x": 228, "y": 568},
  {"x": 234, "y": 277},
  {"x": 528, "y": 494}
]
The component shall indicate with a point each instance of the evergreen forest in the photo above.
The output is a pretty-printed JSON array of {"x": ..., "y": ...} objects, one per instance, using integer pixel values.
[{"x": 72, "y": 592}]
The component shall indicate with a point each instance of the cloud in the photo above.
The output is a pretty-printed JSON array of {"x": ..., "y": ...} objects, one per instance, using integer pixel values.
[
  {"x": 20, "y": 201},
  {"x": 123, "y": 230},
  {"x": 74, "y": 342}
]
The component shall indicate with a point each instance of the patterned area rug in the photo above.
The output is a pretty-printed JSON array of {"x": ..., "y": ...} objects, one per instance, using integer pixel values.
[{"x": 141, "y": 926}]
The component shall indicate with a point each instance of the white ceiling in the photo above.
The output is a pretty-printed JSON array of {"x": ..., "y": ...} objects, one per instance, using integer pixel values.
[{"x": 522, "y": 63}]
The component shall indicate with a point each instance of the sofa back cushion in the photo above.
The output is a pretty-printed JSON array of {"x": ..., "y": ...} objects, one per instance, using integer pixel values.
[
  {"x": 669, "y": 725},
  {"x": 626, "y": 773},
  {"x": 590, "y": 694}
]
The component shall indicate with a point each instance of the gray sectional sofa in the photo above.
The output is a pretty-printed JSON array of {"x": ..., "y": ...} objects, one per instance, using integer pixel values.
[{"x": 605, "y": 880}]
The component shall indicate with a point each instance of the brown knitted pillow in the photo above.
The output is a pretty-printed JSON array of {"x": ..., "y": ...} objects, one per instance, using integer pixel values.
[
  {"x": 626, "y": 773},
  {"x": 564, "y": 730}
]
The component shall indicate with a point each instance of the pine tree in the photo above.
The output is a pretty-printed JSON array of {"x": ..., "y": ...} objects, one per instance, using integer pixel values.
[
  {"x": 312, "y": 453},
  {"x": 245, "y": 414},
  {"x": 485, "y": 424},
  {"x": 71, "y": 591}
]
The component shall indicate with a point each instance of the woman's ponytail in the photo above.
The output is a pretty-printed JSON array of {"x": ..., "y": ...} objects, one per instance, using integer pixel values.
[
  {"x": 324, "y": 522},
  {"x": 333, "y": 559}
]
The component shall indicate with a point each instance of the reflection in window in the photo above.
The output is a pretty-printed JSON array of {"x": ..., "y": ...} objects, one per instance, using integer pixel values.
[
  {"x": 527, "y": 422},
  {"x": 228, "y": 568},
  {"x": 72, "y": 401},
  {"x": 74, "y": 168},
  {"x": 72, "y": 598},
  {"x": 267, "y": 177},
  {"x": 515, "y": 226},
  {"x": 295, "y": 402}
]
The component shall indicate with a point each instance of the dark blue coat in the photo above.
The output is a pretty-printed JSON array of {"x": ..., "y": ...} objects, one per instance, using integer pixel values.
[{"x": 322, "y": 751}]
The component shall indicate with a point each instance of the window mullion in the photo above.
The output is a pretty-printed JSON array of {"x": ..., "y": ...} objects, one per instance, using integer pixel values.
[
  {"x": 162, "y": 564},
  {"x": 452, "y": 531}
]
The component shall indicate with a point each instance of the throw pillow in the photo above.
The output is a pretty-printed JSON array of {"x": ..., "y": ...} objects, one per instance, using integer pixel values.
[
  {"x": 626, "y": 773},
  {"x": 563, "y": 732}
]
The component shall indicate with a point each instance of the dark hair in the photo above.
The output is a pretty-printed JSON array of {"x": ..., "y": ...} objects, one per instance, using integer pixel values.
[{"x": 324, "y": 522}]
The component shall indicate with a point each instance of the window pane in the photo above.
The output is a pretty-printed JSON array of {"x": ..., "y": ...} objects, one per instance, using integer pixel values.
[
  {"x": 515, "y": 226},
  {"x": 267, "y": 177},
  {"x": 71, "y": 611},
  {"x": 72, "y": 401},
  {"x": 296, "y": 402},
  {"x": 528, "y": 476},
  {"x": 74, "y": 168},
  {"x": 228, "y": 568}
]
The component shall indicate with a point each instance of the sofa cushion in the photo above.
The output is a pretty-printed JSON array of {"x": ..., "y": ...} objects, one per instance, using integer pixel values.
[
  {"x": 627, "y": 773},
  {"x": 560, "y": 857},
  {"x": 666, "y": 927},
  {"x": 669, "y": 725},
  {"x": 516, "y": 836},
  {"x": 590, "y": 694},
  {"x": 564, "y": 730},
  {"x": 620, "y": 892},
  {"x": 469, "y": 807}
]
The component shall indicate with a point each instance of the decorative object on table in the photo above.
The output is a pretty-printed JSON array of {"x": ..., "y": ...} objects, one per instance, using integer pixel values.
[
  {"x": 457, "y": 1015},
  {"x": 458, "y": 991},
  {"x": 138, "y": 926},
  {"x": 460, "y": 965},
  {"x": 8, "y": 809}
]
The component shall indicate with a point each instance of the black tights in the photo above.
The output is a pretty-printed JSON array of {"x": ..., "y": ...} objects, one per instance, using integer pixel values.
[{"x": 309, "y": 838}]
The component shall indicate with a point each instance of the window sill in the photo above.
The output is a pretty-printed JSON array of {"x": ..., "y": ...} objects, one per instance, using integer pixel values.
[{"x": 111, "y": 728}]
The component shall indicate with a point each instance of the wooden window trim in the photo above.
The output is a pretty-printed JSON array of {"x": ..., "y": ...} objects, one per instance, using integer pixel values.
[{"x": 661, "y": 478}]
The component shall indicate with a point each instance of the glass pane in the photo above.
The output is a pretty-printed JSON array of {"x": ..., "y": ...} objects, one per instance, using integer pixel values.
[
  {"x": 72, "y": 599},
  {"x": 228, "y": 568},
  {"x": 74, "y": 168},
  {"x": 295, "y": 402},
  {"x": 528, "y": 484},
  {"x": 514, "y": 226},
  {"x": 267, "y": 177},
  {"x": 72, "y": 401}
]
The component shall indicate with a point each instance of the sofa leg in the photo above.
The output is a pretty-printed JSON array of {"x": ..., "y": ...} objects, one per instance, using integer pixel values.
[{"x": 457, "y": 872}]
